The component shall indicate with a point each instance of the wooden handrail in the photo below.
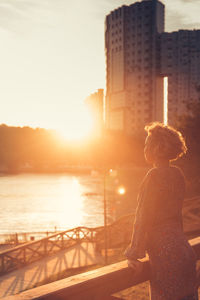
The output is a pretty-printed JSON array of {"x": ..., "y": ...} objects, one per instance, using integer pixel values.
[{"x": 94, "y": 285}]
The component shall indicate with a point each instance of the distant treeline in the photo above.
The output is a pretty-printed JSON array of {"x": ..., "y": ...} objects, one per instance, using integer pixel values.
[
  {"x": 24, "y": 148},
  {"x": 40, "y": 150}
]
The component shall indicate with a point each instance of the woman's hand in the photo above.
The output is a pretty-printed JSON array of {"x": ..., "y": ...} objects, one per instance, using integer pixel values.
[
  {"x": 133, "y": 255},
  {"x": 136, "y": 265}
]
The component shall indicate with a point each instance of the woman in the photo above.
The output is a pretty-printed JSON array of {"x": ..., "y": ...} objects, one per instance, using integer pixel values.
[{"x": 158, "y": 227}]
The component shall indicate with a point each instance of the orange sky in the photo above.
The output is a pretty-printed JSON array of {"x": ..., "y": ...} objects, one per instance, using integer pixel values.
[{"x": 52, "y": 56}]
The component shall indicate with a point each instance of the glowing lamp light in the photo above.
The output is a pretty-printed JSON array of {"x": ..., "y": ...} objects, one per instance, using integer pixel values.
[
  {"x": 121, "y": 190},
  {"x": 113, "y": 173}
]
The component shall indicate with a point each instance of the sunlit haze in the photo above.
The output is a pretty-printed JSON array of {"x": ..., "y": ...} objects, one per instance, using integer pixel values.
[
  {"x": 52, "y": 58},
  {"x": 79, "y": 126}
]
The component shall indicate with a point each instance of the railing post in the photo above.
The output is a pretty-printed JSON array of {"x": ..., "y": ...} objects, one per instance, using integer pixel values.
[
  {"x": 2, "y": 264},
  {"x": 16, "y": 239},
  {"x": 78, "y": 235},
  {"x": 24, "y": 255},
  {"x": 62, "y": 241},
  {"x": 45, "y": 247}
]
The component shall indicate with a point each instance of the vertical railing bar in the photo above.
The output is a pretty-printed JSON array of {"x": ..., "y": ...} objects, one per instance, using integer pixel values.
[
  {"x": 24, "y": 254},
  {"x": 62, "y": 241}
]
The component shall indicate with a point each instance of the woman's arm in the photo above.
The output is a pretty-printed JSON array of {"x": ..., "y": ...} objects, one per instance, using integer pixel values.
[{"x": 145, "y": 214}]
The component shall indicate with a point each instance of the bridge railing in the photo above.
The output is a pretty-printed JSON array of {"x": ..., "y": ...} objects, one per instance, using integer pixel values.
[
  {"x": 99, "y": 284},
  {"x": 30, "y": 252}
]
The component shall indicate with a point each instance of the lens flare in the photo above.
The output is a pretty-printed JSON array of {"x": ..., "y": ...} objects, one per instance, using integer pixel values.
[{"x": 121, "y": 190}]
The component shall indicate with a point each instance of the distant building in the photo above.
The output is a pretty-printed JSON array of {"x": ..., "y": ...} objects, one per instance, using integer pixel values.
[
  {"x": 180, "y": 61},
  {"x": 139, "y": 54},
  {"x": 134, "y": 86},
  {"x": 95, "y": 103}
]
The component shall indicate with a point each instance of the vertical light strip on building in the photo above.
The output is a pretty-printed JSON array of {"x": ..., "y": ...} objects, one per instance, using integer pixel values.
[{"x": 165, "y": 106}]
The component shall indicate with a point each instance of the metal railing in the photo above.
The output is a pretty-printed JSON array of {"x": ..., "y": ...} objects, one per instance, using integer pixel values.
[
  {"x": 30, "y": 252},
  {"x": 16, "y": 238}
]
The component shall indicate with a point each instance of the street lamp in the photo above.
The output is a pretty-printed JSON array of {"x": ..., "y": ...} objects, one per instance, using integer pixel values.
[
  {"x": 105, "y": 219},
  {"x": 121, "y": 191}
]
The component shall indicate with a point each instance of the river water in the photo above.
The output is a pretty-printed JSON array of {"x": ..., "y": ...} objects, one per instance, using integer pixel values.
[
  {"x": 45, "y": 202},
  {"x": 32, "y": 202}
]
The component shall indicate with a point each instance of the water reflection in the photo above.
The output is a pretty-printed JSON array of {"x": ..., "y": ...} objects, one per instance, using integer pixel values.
[
  {"x": 31, "y": 202},
  {"x": 41, "y": 202},
  {"x": 71, "y": 204}
]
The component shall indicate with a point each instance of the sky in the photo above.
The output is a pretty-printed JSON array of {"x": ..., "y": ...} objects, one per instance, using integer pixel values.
[{"x": 52, "y": 56}]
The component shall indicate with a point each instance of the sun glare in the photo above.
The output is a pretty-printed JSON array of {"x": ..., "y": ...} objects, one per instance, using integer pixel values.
[
  {"x": 78, "y": 127},
  {"x": 72, "y": 203}
]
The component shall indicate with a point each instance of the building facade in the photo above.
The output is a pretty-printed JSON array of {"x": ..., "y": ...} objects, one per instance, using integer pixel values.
[
  {"x": 134, "y": 85},
  {"x": 139, "y": 54},
  {"x": 180, "y": 62},
  {"x": 95, "y": 104}
]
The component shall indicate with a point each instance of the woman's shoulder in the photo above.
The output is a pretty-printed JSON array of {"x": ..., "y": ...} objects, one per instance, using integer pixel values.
[
  {"x": 177, "y": 174},
  {"x": 160, "y": 174},
  {"x": 150, "y": 175},
  {"x": 176, "y": 169}
]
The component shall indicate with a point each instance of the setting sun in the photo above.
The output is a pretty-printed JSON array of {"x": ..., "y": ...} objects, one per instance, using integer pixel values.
[{"x": 79, "y": 126}]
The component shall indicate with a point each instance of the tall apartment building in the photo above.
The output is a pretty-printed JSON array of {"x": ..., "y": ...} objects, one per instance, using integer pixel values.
[
  {"x": 180, "y": 61},
  {"x": 95, "y": 103},
  {"x": 134, "y": 85}
]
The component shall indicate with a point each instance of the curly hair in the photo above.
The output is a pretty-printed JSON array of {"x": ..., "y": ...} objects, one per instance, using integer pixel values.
[{"x": 165, "y": 142}]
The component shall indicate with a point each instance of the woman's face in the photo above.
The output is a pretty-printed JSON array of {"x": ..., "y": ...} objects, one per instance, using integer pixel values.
[{"x": 147, "y": 152}]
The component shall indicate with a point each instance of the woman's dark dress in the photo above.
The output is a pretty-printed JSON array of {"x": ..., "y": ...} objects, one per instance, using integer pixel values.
[{"x": 158, "y": 230}]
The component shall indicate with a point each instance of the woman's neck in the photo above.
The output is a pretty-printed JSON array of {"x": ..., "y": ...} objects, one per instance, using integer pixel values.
[{"x": 161, "y": 163}]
